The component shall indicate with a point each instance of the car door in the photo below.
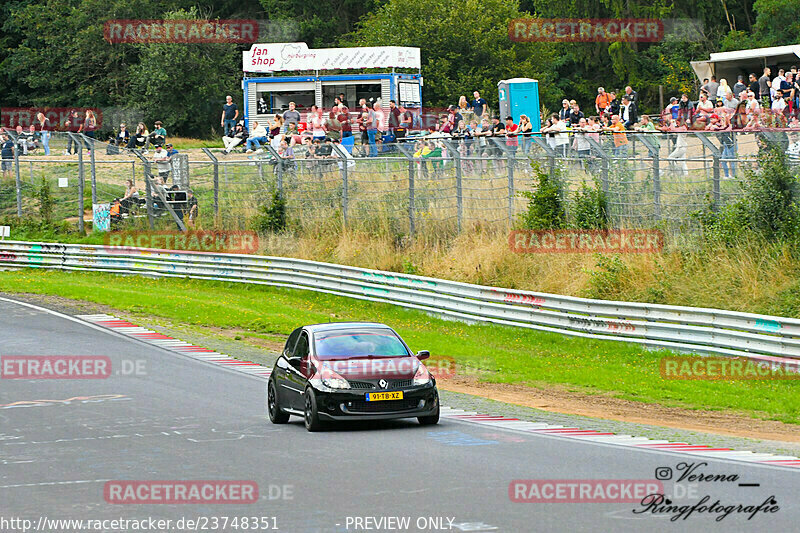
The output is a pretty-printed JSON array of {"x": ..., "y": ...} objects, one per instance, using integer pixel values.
[
  {"x": 281, "y": 369},
  {"x": 296, "y": 372}
]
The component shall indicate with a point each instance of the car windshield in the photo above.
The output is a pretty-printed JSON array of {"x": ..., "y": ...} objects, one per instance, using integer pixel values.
[{"x": 358, "y": 343}]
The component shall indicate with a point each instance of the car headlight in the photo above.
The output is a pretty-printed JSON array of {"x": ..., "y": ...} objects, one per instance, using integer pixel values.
[
  {"x": 332, "y": 380},
  {"x": 422, "y": 376}
]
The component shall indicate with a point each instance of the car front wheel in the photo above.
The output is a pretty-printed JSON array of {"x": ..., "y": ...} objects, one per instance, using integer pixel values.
[
  {"x": 429, "y": 420},
  {"x": 276, "y": 415},
  {"x": 311, "y": 415}
]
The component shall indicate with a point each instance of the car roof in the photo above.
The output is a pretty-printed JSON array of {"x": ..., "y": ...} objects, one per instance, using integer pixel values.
[{"x": 329, "y": 326}]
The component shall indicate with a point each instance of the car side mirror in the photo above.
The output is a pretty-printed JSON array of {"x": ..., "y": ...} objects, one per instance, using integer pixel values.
[{"x": 423, "y": 354}]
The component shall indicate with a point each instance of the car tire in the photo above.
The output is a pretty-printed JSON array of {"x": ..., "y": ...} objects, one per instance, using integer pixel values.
[
  {"x": 430, "y": 420},
  {"x": 310, "y": 413},
  {"x": 276, "y": 414}
]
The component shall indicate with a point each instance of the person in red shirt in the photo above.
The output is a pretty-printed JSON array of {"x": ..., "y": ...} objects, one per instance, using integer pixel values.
[{"x": 511, "y": 136}]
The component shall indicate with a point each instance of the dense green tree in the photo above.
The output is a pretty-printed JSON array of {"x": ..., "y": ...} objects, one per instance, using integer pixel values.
[{"x": 465, "y": 45}]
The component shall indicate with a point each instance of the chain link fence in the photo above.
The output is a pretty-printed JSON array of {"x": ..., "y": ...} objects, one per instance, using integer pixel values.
[{"x": 421, "y": 185}]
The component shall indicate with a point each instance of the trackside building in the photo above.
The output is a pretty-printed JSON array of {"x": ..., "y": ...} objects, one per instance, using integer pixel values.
[{"x": 278, "y": 73}]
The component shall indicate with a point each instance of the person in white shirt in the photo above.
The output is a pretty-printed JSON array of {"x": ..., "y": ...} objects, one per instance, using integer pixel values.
[
  {"x": 561, "y": 139},
  {"x": 257, "y": 136},
  {"x": 779, "y": 103},
  {"x": 776, "y": 83}
]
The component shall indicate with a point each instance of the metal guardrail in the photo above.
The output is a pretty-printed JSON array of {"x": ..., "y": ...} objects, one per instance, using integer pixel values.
[{"x": 686, "y": 329}]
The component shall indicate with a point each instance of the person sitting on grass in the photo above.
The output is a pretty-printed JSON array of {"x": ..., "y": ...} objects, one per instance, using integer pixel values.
[
  {"x": 139, "y": 137},
  {"x": 158, "y": 137}
]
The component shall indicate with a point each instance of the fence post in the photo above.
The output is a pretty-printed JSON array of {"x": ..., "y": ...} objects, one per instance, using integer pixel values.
[
  {"x": 654, "y": 148},
  {"x": 81, "y": 179},
  {"x": 453, "y": 149},
  {"x": 715, "y": 184},
  {"x": 510, "y": 168},
  {"x": 278, "y": 166},
  {"x": 343, "y": 162},
  {"x": 19, "y": 180},
  {"x": 148, "y": 189},
  {"x": 411, "y": 166},
  {"x": 94, "y": 174},
  {"x": 715, "y": 154},
  {"x": 215, "y": 162}
]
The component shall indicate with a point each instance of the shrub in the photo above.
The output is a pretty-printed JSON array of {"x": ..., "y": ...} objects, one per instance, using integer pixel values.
[
  {"x": 271, "y": 216},
  {"x": 590, "y": 208},
  {"x": 545, "y": 206}
]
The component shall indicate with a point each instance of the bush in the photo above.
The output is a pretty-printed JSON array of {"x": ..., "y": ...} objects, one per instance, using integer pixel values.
[
  {"x": 271, "y": 216},
  {"x": 545, "y": 207},
  {"x": 590, "y": 208},
  {"x": 46, "y": 202},
  {"x": 768, "y": 206},
  {"x": 608, "y": 282}
]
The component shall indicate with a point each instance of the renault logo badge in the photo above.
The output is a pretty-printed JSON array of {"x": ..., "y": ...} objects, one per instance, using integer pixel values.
[{"x": 383, "y": 383}]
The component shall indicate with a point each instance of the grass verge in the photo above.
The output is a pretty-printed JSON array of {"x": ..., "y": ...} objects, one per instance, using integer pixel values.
[{"x": 501, "y": 354}]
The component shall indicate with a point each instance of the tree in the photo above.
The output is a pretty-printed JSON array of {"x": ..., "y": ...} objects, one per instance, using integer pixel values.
[
  {"x": 465, "y": 45},
  {"x": 184, "y": 85}
]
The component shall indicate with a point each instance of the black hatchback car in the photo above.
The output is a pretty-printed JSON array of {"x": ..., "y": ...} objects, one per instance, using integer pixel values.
[{"x": 350, "y": 371}]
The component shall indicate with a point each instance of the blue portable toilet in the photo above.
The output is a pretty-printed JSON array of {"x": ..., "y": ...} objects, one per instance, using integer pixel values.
[{"x": 520, "y": 96}]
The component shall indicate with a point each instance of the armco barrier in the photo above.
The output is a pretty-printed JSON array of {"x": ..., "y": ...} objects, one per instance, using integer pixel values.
[{"x": 657, "y": 326}]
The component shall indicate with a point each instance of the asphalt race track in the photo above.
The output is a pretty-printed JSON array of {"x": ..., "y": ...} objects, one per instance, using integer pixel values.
[{"x": 163, "y": 416}]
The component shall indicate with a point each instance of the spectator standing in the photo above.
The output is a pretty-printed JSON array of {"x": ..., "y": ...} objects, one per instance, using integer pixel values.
[
  {"x": 580, "y": 143},
  {"x": 712, "y": 87},
  {"x": 738, "y": 87},
  {"x": 618, "y": 134},
  {"x": 333, "y": 127},
  {"x": 613, "y": 106},
  {"x": 393, "y": 120},
  {"x": 723, "y": 89},
  {"x": 316, "y": 123},
  {"x": 628, "y": 113},
  {"x": 764, "y": 84},
  {"x": 776, "y": 83},
  {"x": 566, "y": 109},
  {"x": 525, "y": 129},
  {"x": 229, "y": 115},
  {"x": 561, "y": 137},
  {"x": 575, "y": 115},
  {"x": 512, "y": 142},
  {"x": 679, "y": 153},
  {"x": 632, "y": 95},
  {"x": 727, "y": 142},
  {"x": 343, "y": 117},
  {"x": 72, "y": 123},
  {"x": 478, "y": 104},
  {"x": 43, "y": 124},
  {"x": 161, "y": 159},
  {"x": 291, "y": 116},
  {"x": 89, "y": 127},
  {"x": 754, "y": 86},
  {"x": 7, "y": 152},
  {"x": 601, "y": 101}
]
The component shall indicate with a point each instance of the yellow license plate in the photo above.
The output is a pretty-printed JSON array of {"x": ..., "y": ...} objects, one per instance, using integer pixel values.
[{"x": 378, "y": 396}]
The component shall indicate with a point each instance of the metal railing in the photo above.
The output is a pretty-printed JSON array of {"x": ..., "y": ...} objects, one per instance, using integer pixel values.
[{"x": 688, "y": 329}]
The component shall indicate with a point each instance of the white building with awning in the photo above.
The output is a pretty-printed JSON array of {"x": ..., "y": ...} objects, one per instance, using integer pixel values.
[{"x": 729, "y": 65}]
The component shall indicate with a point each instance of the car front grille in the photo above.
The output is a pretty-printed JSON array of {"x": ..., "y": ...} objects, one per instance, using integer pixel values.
[
  {"x": 393, "y": 384},
  {"x": 385, "y": 406}
]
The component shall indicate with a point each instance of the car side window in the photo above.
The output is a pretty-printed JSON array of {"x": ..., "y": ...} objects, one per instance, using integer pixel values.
[
  {"x": 288, "y": 350},
  {"x": 301, "y": 350}
]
